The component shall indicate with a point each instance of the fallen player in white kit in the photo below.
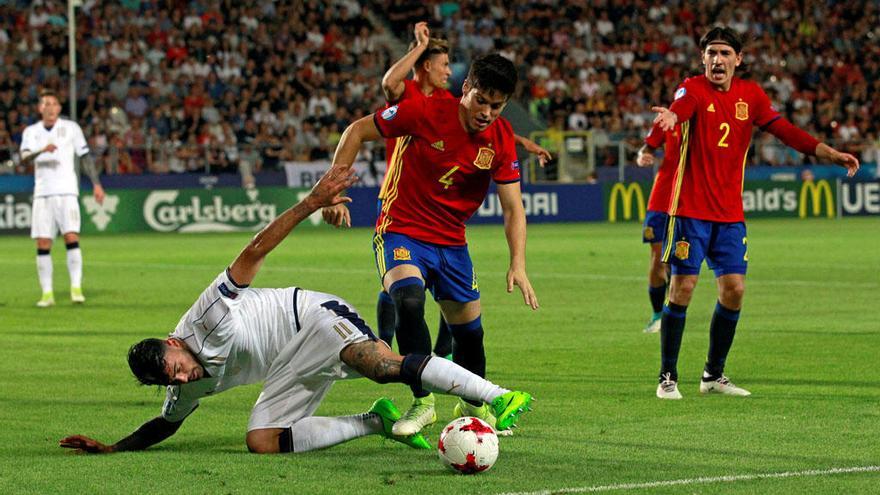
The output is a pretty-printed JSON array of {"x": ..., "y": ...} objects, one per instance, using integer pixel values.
[{"x": 297, "y": 342}]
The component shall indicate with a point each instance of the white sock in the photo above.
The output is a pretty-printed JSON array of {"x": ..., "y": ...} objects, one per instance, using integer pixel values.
[
  {"x": 75, "y": 266},
  {"x": 318, "y": 432},
  {"x": 444, "y": 376},
  {"x": 44, "y": 271}
]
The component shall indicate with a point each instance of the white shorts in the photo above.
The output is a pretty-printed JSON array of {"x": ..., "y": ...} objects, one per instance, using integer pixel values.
[
  {"x": 307, "y": 366},
  {"x": 54, "y": 214}
]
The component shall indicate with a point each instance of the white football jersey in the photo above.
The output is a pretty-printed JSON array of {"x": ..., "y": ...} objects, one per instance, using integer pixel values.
[
  {"x": 54, "y": 173},
  {"x": 235, "y": 333}
]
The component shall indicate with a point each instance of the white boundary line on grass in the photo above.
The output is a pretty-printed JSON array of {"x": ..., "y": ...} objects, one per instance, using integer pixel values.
[
  {"x": 534, "y": 275},
  {"x": 703, "y": 480}
]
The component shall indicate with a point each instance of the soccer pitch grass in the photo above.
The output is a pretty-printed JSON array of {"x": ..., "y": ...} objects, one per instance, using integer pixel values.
[{"x": 807, "y": 347}]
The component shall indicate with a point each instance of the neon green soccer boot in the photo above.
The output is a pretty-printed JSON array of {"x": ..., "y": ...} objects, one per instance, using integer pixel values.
[
  {"x": 508, "y": 407},
  {"x": 389, "y": 414},
  {"x": 47, "y": 300}
]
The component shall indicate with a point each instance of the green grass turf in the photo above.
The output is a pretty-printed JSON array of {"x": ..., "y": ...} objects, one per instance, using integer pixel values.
[{"x": 807, "y": 348}]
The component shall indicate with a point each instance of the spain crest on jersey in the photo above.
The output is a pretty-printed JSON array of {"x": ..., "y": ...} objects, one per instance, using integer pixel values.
[
  {"x": 742, "y": 110},
  {"x": 682, "y": 250},
  {"x": 402, "y": 254},
  {"x": 484, "y": 158},
  {"x": 649, "y": 233}
]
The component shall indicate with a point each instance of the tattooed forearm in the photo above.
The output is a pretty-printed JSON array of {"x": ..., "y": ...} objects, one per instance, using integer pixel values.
[{"x": 90, "y": 168}]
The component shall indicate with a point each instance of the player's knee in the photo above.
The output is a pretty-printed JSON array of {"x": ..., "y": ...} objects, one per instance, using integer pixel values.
[
  {"x": 262, "y": 442},
  {"x": 409, "y": 297},
  {"x": 732, "y": 295}
]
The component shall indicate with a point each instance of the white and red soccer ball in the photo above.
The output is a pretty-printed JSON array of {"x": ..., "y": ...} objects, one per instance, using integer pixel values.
[{"x": 468, "y": 445}]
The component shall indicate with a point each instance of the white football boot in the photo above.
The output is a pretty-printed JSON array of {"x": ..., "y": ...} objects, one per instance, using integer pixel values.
[
  {"x": 721, "y": 385},
  {"x": 419, "y": 415},
  {"x": 668, "y": 388}
]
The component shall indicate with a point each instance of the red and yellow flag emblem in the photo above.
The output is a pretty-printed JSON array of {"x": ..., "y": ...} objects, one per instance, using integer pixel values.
[
  {"x": 682, "y": 250},
  {"x": 484, "y": 158},
  {"x": 742, "y": 110},
  {"x": 402, "y": 254}
]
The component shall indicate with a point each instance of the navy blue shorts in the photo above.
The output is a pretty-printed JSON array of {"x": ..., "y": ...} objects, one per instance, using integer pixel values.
[
  {"x": 654, "y": 229},
  {"x": 448, "y": 271},
  {"x": 690, "y": 241}
]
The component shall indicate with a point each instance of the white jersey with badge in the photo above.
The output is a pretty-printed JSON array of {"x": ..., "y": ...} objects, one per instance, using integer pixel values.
[
  {"x": 54, "y": 173},
  {"x": 235, "y": 333}
]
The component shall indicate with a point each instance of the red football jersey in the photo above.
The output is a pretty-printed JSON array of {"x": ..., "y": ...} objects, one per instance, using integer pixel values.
[
  {"x": 662, "y": 189},
  {"x": 441, "y": 172},
  {"x": 716, "y": 129},
  {"x": 411, "y": 90}
]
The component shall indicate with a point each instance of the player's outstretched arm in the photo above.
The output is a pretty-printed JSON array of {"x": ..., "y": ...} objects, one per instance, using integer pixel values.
[
  {"x": 392, "y": 81},
  {"x": 150, "y": 433},
  {"x": 355, "y": 135},
  {"x": 828, "y": 154},
  {"x": 325, "y": 193},
  {"x": 510, "y": 197},
  {"x": 534, "y": 149}
]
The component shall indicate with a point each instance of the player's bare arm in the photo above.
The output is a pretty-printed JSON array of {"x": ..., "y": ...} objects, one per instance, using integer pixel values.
[
  {"x": 510, "y": 197},
  {"x": 150, "y": 433},
  {"x": 90, "y": 168},
  {"x": 828, "y": 154},
  {"x": 325, "y": 193},
  {"x": 350, "y": 143},
  {"x": 534, "y": 149},
  {"x": 645, "y": 156},
  {"x": 392, "y": 82}
]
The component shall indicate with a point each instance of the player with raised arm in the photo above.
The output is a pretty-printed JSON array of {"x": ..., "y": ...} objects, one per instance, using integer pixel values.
[
  {"x": 52, "y": 145},
  {"x": 452, "y": 149},
  {"x": 298, "y": 342},
  {"x": 654, "y": 230},
  {"x": 428, "y": 60},
  {"x": 716, "y": 112}
]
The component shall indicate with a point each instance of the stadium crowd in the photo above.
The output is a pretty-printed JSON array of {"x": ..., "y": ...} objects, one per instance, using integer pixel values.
[{"x": 175, "y": 86}]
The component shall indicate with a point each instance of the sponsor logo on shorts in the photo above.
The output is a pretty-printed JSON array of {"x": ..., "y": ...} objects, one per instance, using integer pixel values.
[
  {"x": 649, "y": 233},
  {"x": 682, "y": 250},
  {"x": 742, "y": 110},
  {"x": 402, "y": 254},
  {"x": 484, "y": 158}
]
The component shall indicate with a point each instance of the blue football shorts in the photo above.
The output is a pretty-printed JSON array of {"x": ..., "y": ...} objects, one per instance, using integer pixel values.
[
  {"x": 690, "y": 241},
  {"x": 448, "y": 271},
  {"x": 654, "y": 229}
]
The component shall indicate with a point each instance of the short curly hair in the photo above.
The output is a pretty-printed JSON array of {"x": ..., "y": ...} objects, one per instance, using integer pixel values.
[{"x": 147, "y": 361}]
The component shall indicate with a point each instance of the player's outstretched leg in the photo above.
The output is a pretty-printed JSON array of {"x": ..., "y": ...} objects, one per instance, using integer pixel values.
[{"x": 389, "y": 414}]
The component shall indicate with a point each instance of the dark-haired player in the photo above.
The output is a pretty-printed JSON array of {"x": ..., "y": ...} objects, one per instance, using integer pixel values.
[
  {"x": 428, "y": 60},
  {"x": 716, "y": 112},
  {"x": 296, "y": 341},
  {"x": 452, "y": 149}
]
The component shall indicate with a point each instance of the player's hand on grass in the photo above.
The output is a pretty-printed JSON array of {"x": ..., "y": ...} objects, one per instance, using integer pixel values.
[
  {"x": 665, "y": 117},
  {"x": 84, "y": 445},
  {"x": 520, "y": 279}
]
